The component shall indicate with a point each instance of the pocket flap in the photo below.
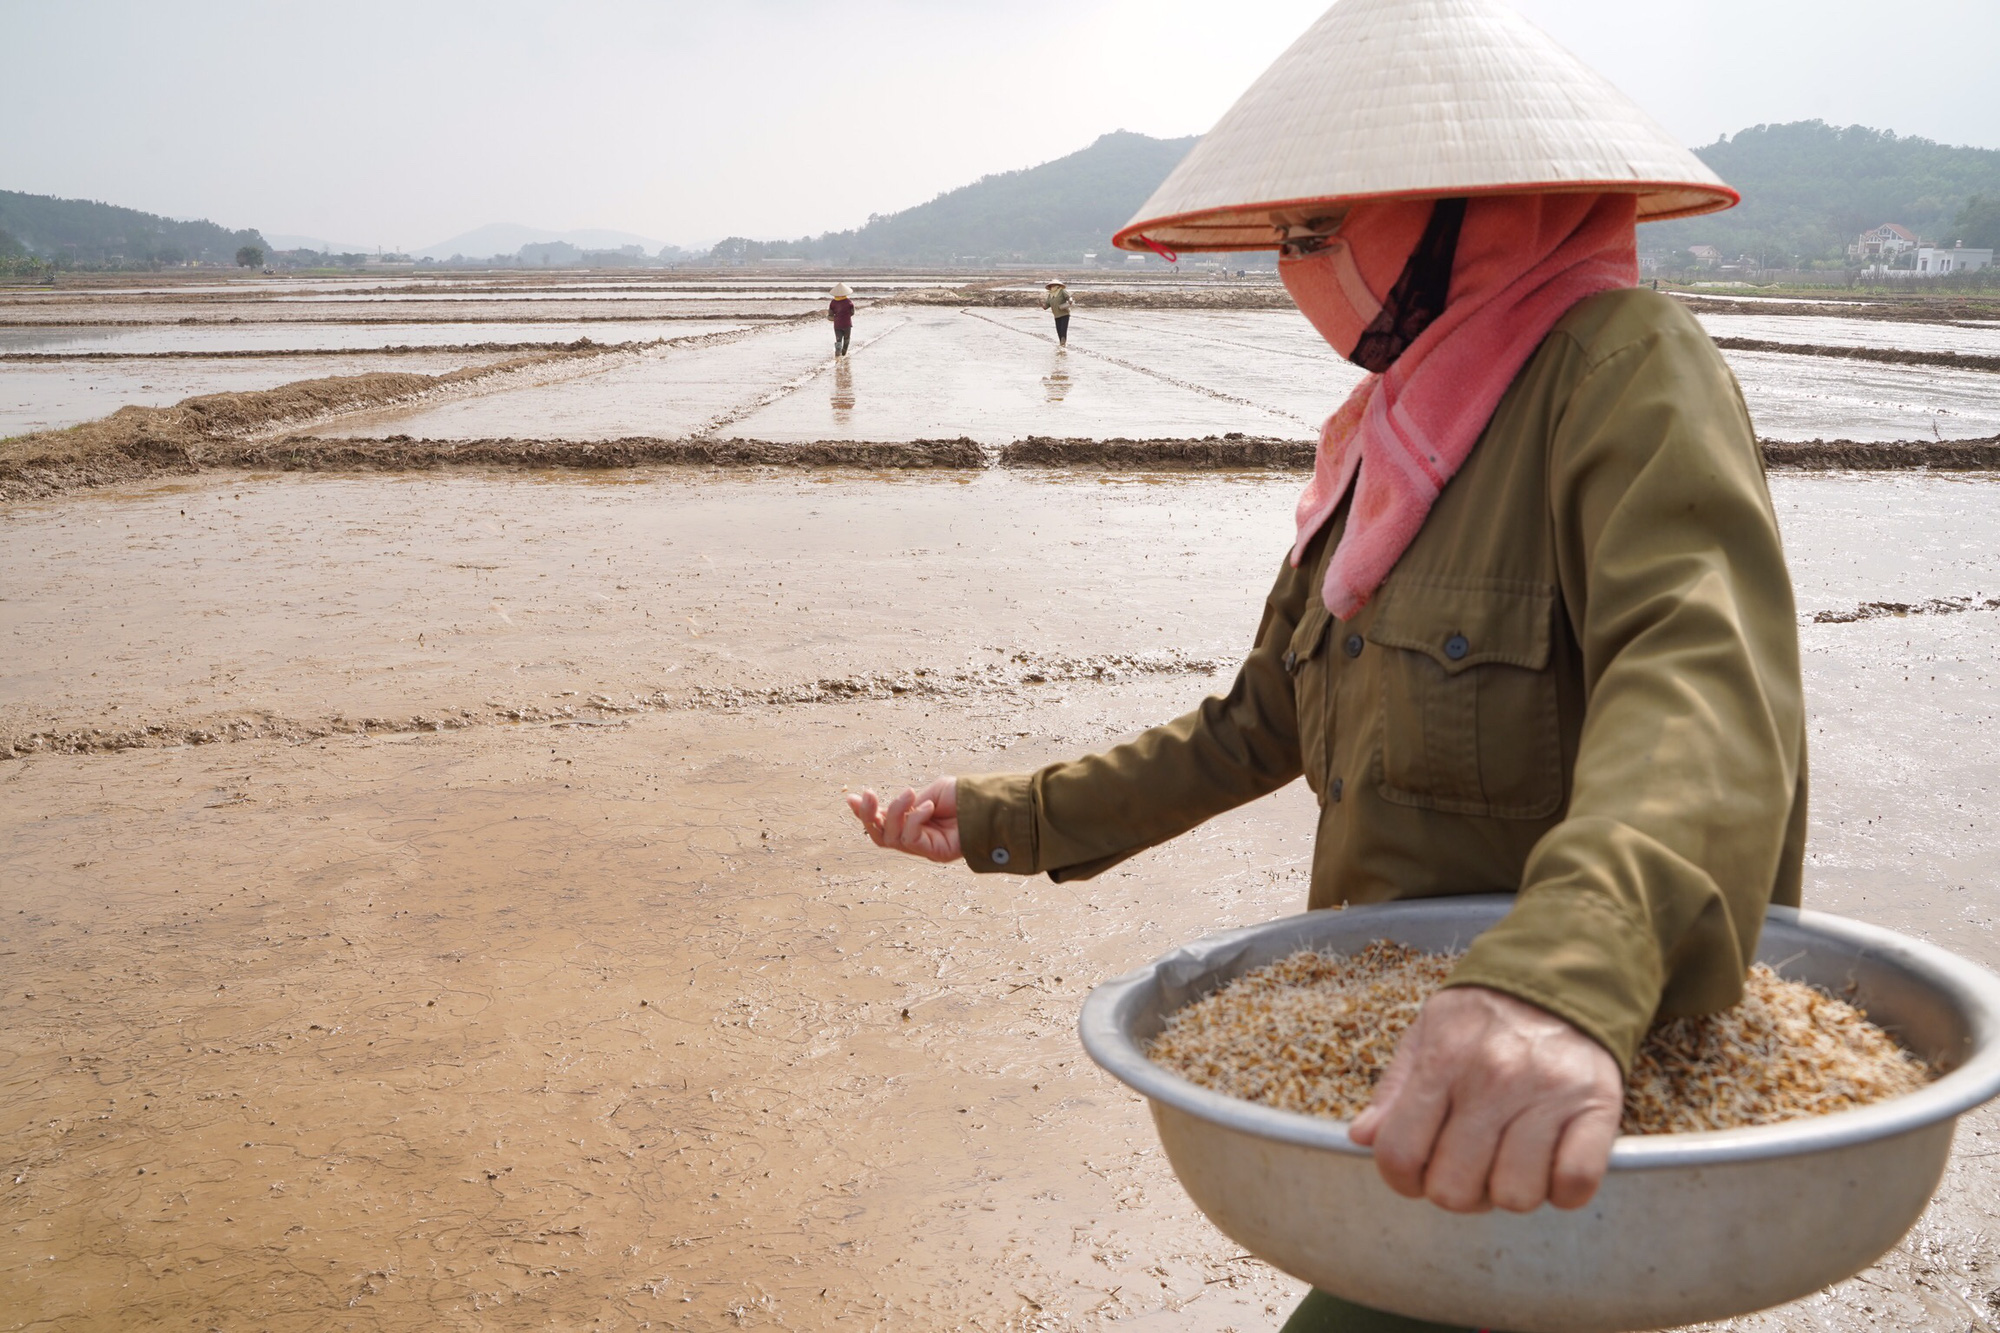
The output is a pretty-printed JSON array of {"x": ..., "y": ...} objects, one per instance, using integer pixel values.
[
  {"x": 1311, "y": 629},
  {"x": 1466, "y": 622}
]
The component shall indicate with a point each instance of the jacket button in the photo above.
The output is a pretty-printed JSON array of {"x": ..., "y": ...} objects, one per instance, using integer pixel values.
[
  {"x": 1456, "y": 647},
  {"x": 1000, "y": 856},
  {"x": 1353, "y": 645},
  {"x": 1333, "y": 792},
  {"x": 1291, "y": 660}
]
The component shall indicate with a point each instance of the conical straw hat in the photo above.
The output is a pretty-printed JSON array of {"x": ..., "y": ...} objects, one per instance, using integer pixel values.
[{"x": 1415, "y": 99}]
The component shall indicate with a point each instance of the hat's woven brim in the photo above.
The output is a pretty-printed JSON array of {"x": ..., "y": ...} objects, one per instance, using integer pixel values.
[{"x": 1402, "y": 99}]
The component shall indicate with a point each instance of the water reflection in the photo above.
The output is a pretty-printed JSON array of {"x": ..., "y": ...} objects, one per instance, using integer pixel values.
[
  {"x": 1056, "y": 383},
  {"x": 843, "y": 389}
]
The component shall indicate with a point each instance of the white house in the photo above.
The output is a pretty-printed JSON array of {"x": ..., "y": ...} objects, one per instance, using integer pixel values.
[
  {"x": 1934, "y": 259},
  {"x": 1883, "y": 242}
]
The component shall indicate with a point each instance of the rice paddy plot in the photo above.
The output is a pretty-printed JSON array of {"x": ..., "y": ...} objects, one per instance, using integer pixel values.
[
  {"x": 269, "y": 336},
  {"x": 52, "y": 395},
  {"x": 1823, "y": 398},
  {"x": 997, "y": 376}
]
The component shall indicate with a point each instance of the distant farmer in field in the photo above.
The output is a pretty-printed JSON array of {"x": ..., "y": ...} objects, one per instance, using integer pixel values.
[
  {"x": 1534, "y": 632},
  {"x": 1056, "y": 301},
  {"x": 841, "y": 311}
]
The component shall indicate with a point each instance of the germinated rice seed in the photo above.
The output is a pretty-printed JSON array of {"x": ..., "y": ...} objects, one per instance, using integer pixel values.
[{"x": 1314, "y": 1033}]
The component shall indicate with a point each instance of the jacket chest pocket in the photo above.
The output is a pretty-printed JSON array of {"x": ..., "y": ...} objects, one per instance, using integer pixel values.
[
  {"x": 1469, "y": 716},
  {"x": 1312, "y": 694}
]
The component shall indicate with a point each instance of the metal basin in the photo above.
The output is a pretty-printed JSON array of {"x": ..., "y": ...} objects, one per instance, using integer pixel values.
[{"x": 1687, "y": 1227}]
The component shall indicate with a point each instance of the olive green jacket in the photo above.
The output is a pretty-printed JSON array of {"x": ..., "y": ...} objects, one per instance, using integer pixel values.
[
  {"x": 1057, "y": 301},
  {"x": 1580, "y": 684}
]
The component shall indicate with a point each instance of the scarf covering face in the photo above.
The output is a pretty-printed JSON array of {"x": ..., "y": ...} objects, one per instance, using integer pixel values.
[{"x": 1521, "y": 262}]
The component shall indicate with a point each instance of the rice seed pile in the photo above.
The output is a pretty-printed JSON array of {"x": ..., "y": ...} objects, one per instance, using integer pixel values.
[{"x": 1314, "y": 1033}]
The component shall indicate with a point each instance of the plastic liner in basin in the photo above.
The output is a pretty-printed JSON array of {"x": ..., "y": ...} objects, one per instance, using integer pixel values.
[{"x": 1687, "y": 1227}]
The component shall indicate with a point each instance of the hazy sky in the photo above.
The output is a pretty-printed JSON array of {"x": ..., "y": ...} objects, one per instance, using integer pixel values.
[{"x": 404, "y": 124}]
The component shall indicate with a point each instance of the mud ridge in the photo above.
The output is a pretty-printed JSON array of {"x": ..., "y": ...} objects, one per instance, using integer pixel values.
[
  {"x": 1210, "y": 453},
  {"x": 1906, "y": 312},
  {"x": 1894, "y": 356},
  {"x": 1021, "y": 670},
  {"x": 402, "y": 453},
  {"x": 1936, "y": 606},
  {"x": 1981, "y": 455}
]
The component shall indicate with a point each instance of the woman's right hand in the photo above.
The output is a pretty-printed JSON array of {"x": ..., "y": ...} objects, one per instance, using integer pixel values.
[{"x": 922, "y": 823}]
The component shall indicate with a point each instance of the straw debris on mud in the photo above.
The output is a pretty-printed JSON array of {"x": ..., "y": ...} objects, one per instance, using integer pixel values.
[{"x": 1314, "y": 1033}]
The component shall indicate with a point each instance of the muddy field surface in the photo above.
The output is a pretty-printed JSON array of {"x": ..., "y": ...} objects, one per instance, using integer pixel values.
[{"x": 527, "y": 972}]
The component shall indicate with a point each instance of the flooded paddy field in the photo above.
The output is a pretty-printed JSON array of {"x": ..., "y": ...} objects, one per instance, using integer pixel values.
[
  {"x": 996, "y": 375},
  {"x": 519, "y": 967},
  {"x": 935, "y": 356}
]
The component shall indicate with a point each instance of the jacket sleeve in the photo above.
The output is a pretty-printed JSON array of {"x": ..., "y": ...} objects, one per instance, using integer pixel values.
[
  {"x": 1081, "y": 817},
  {"x": 1647, "y": 898}
]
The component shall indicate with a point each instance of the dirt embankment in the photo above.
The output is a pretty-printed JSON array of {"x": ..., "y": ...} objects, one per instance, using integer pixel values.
[
  {"x": 155, "y": 441},
  {"x": 1949, "y": 310},
  {"x": 399, "y": 453},
  {"x": 1211, "y": 453},
  {"x": 1022, "y": 671},
  {"x": 1894, "y": 356},
  {"x": 1884, "y": 456},
  {"x": 1936, "y": 606}
]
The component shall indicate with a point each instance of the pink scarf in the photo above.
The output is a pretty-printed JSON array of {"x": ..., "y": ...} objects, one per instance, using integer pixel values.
[{"x": 1522, "y": 262}]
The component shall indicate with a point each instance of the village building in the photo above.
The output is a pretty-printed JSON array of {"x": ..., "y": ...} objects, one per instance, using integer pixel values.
[
  {"x": 1935, "y": 259},
  {"x": 1883, "y": 242},
  {"x": 1706, "y": 255}
]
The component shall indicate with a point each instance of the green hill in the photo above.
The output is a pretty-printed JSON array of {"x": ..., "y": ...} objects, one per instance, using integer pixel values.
[
  {"x": 1056, "y": 212},
  {"x": 81, "y": 233},
  {"x": 1809, "y": 189}
]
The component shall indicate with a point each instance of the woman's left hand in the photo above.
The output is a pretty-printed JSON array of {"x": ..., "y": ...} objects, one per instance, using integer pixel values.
[{"x": 1492, "y": 1101}]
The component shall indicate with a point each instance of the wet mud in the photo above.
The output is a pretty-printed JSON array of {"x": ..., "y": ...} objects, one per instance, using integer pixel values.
[
  {"x": 555, "y": 987},
  {"x": 432, "y": 906}
]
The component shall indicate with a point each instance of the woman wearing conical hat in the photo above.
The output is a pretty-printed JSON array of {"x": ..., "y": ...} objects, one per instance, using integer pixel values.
[
  {"x": 1057, "y": 302},
  {"x": 840, "y": 309},
  {"x": 1534, "y": 631}
]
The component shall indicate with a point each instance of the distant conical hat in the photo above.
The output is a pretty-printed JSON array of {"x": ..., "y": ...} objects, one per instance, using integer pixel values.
[{"x": 1415, "y": 99}]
